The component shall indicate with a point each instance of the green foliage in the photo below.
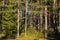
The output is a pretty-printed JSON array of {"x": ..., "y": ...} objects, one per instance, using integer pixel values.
[{"x": 9, "y": 20}]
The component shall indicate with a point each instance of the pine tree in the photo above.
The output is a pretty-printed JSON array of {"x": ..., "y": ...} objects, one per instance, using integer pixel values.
[{"x": 9, "y": 18}]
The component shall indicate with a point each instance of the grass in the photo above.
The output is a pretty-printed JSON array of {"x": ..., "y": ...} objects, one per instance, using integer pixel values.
[
  {"x": 30, "y": 38},
  {"x": 2, "y": 35},
  {"x": 32, "y": 35}
]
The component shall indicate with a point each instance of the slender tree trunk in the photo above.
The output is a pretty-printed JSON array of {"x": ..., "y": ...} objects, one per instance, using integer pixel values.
[
  {"x": 32, "y": 16},
  {"x": 38, "y": 22},
  {"x": 18, "y": 20},
  {"x": 26, "y": 17},
  {"x": 41, "y": 21},
  {"x": 38, "y": 17},
  {"x": 59, "y": 18},
  {"x": 41, "y": 15},
  {"x": 54, "y": 17},
  {"x": 18, "y": 25},
  {"x": 46, "y": 23},
  {"x": 31, "y": 25},
  {"x": 49, "y": 19}
]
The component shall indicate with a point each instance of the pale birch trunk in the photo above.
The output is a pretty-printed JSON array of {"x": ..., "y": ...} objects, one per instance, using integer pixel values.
[
  {"x": 18, "y": 20},
  {"x": 46, "y": 28},
  {"x": 18, "y": 25}
]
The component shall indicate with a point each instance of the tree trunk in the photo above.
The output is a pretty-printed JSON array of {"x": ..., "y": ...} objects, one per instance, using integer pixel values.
[
  {"x": 46, "y": 23},
  {"x": 18, "y": 19},
  {"x": 59, "y": 17},
  {"x": 41, "y": 21},
  {"x": 31, "y": 25},
  {"x": 54, "y": 13},
  {"x": 18, "y": 25},
  {"x": 26, "y": 17},
  {"x": 38, "y": 15},
  {"x": 41, "y": 16}
]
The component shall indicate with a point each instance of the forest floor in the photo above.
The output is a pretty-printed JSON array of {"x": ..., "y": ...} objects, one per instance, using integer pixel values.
[{"x": 55, "y": 36}]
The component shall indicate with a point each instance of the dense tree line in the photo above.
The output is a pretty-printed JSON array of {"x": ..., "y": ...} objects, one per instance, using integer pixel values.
[{"x": 17, "y": 16}]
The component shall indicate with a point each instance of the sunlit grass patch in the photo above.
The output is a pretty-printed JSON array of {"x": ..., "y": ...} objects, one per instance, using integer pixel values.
[
  {"x": 30, "y": 38},
  {"x": 32, "y": 34},
  {"x": 2, "y": 35}
]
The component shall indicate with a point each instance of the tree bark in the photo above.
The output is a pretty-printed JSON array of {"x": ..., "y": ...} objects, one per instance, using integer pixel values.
[
  {"x": 54, "y": 13},
  {"x": 18, "y": 19},
  {"x": 26, "y": 17},
  {"x": 41, "y": 16},
  {"x": 59, "y": 18},
  {"x": 31, "y": 25},
  {"x": 46, "y": 23}
]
